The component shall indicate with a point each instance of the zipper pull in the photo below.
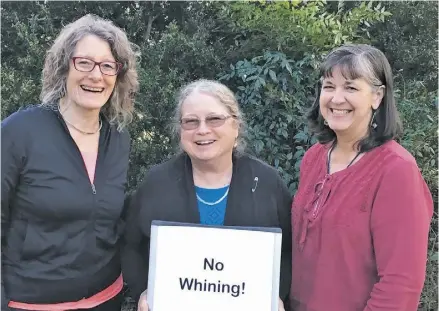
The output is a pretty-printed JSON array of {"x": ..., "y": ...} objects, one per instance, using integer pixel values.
[{"x": 93, "y": 188}]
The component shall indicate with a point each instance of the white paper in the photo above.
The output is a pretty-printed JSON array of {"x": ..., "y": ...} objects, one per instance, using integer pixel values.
[{"x": 199, "y": 269}]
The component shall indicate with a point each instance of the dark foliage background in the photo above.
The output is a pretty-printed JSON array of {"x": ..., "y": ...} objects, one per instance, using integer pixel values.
[{"x": 266, "y": 51}]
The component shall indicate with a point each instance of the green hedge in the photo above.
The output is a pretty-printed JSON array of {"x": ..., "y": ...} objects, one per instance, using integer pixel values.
[{"x": 273, "y": 75}]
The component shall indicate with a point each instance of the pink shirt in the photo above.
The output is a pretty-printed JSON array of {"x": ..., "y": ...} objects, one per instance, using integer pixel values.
[
  {"x": 90, "y": 164},
  {"x": 363, "y": 247}
]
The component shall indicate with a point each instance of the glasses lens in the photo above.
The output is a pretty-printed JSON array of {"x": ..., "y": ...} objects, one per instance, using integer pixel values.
[
  {"x": 190, "y": 124},
  {"x": 215, "y": 121},
  {"x": 84, "y": 64},
  {"x": 109, "y": 68}
]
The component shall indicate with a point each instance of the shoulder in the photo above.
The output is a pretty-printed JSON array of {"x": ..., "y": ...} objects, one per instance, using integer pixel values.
[
  {"x": 123, "y": 133},
  {"x": 120, "y": 139},
  {"x": 24, "y": 117},
  {"x": 400, "y": 179},
  {"x": 166, "y": 171},
  {"x": 18, "y": 129},
  {"x": 314, "y": 154},
  {"x": 258, "y": 166},
  {"x": 395, "y": 152},
  {"x": 397, "y": 161}
]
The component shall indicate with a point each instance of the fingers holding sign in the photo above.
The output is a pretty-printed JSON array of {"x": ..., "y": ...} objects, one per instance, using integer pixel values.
[
  {"x": 281, "y": 305},
  {"x": 142, "y": 304}
]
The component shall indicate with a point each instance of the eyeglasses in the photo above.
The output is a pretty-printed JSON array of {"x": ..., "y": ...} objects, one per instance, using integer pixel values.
[
  {"x": 87, "y": 65},
  {"x": 191, "y": 123}
]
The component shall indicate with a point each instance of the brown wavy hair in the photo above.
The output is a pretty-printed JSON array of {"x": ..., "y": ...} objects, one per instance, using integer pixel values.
[{"x": 120, "y": 106}]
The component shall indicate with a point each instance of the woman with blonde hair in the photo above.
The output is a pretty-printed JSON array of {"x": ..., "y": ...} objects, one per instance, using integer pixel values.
[
  {"x": 64, "y": 171},
  {"x": 212, "y": 181}
]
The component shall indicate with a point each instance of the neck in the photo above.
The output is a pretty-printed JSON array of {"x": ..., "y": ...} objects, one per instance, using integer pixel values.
[
  {"x": 212, "y": 174},
  {"x": 348, "y": 143},
  {"x": 84, "y": 119}
]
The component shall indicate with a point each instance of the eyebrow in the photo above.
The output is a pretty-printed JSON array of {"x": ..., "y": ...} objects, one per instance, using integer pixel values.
[
  {"x": 348, "y": 82},
  {"x": 106, "y": 58}
]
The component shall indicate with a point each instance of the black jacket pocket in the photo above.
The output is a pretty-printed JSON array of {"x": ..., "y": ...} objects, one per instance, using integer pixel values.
[{"x": 42, "y": 245}]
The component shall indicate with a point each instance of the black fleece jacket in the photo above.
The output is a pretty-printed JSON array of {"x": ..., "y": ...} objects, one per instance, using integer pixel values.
[
  {"x": 60, "y": 233},
  {"x": 167, "y": 193}
]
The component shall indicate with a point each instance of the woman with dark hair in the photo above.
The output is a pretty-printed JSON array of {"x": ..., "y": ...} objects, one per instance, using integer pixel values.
[
  {"x": 63, "y": 175},
  {"x": 362, "y": 212}
]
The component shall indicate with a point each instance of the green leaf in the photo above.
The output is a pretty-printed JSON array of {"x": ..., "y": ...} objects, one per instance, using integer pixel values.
[{"x": 273, "y": 76}]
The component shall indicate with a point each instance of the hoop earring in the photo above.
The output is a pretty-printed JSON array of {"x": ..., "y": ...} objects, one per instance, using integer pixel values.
[{"x": 325, "y": 123}]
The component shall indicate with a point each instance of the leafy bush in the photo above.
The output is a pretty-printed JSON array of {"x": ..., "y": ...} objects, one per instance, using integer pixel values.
[
  {"x": 274, "y": 92},
  {"x": 273, "y": 48},
  {"x": 418, "y": 109}
]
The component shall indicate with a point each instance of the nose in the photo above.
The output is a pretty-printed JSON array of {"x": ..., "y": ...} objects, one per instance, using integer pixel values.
[
  {"x": 96, "y": 73},
  {"x": 203, "y": 128},
  {"x": 338, "y": 96}
]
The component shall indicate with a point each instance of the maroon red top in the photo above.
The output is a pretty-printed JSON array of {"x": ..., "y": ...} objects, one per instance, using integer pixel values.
[{"x": 360, "y": 235}]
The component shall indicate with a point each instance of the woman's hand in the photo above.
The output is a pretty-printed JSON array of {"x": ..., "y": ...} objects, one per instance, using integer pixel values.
[
  {"x": 142, "y": 305},
  {"x": 281, "y": 305}
]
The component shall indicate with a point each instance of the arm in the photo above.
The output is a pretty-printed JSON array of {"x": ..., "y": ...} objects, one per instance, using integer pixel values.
[
  {"x": 284, "y": 214},
  {"x": 135, "y": 247},
  {"x": 10, "y": 172},
  {"x": 400, "y": 220}
]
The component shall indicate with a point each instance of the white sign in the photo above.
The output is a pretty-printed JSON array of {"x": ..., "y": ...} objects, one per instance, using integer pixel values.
[{"x": 200, "y": 268}]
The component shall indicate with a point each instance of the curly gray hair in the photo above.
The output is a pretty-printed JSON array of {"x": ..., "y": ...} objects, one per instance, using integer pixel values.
[{"x": 121, "y": 103}]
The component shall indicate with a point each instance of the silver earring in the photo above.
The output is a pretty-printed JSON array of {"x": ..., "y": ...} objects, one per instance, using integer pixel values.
[
  {"x": 373, "y": 122},
  {"x": 325, "y": 123}
]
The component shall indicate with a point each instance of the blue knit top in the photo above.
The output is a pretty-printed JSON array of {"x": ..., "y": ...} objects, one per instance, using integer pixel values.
[{"x": 212, "y": 214}]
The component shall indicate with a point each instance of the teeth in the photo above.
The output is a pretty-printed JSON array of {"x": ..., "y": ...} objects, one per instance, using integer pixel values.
[
  {"x": 204, "y": 142},
  {"x": 340, "y": 112},
  {"x": 93, "y": 89}
]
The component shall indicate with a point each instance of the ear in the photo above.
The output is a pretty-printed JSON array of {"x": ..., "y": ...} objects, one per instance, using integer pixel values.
[{"x": 378, "y": 98}]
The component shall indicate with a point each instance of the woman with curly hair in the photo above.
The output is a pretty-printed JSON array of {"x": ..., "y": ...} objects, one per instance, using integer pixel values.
[{"x": 64, "y": 169}]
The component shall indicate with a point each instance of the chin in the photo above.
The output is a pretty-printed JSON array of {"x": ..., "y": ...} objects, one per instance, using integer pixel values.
[
  {"x": 92, "y": 105},
  {"x": 205, "y": 157},
  {"x": 339, "y": 126}
]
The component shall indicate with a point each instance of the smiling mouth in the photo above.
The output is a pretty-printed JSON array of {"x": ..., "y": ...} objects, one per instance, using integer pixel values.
[
  {"x": 204, "y": 142},
  {"x": 92, "y": 89},
  {"x": 340, "y": 112}
]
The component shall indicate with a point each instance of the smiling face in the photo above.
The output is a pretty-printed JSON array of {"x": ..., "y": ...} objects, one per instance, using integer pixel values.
[
  {"x": 90, "y": 90},
  {"x": 347, "y": 105},
  {"x": 215, "y": 136}
]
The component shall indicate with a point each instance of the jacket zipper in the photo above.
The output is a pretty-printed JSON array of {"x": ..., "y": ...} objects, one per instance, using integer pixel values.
[{"x": 93, "y": 188}]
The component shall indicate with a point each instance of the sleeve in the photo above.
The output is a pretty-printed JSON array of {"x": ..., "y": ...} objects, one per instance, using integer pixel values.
[
  {"x": 135, "y": 245},
  {"x": 10, "y": 172},
  {"x": 400, "y": 220},
  {"x": 284, "y": 214}
]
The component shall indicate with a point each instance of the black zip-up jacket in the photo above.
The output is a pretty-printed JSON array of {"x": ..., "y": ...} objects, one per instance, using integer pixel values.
[
  {"x": 168, "y": 193},
  {"x": 60, "y": 233}
]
